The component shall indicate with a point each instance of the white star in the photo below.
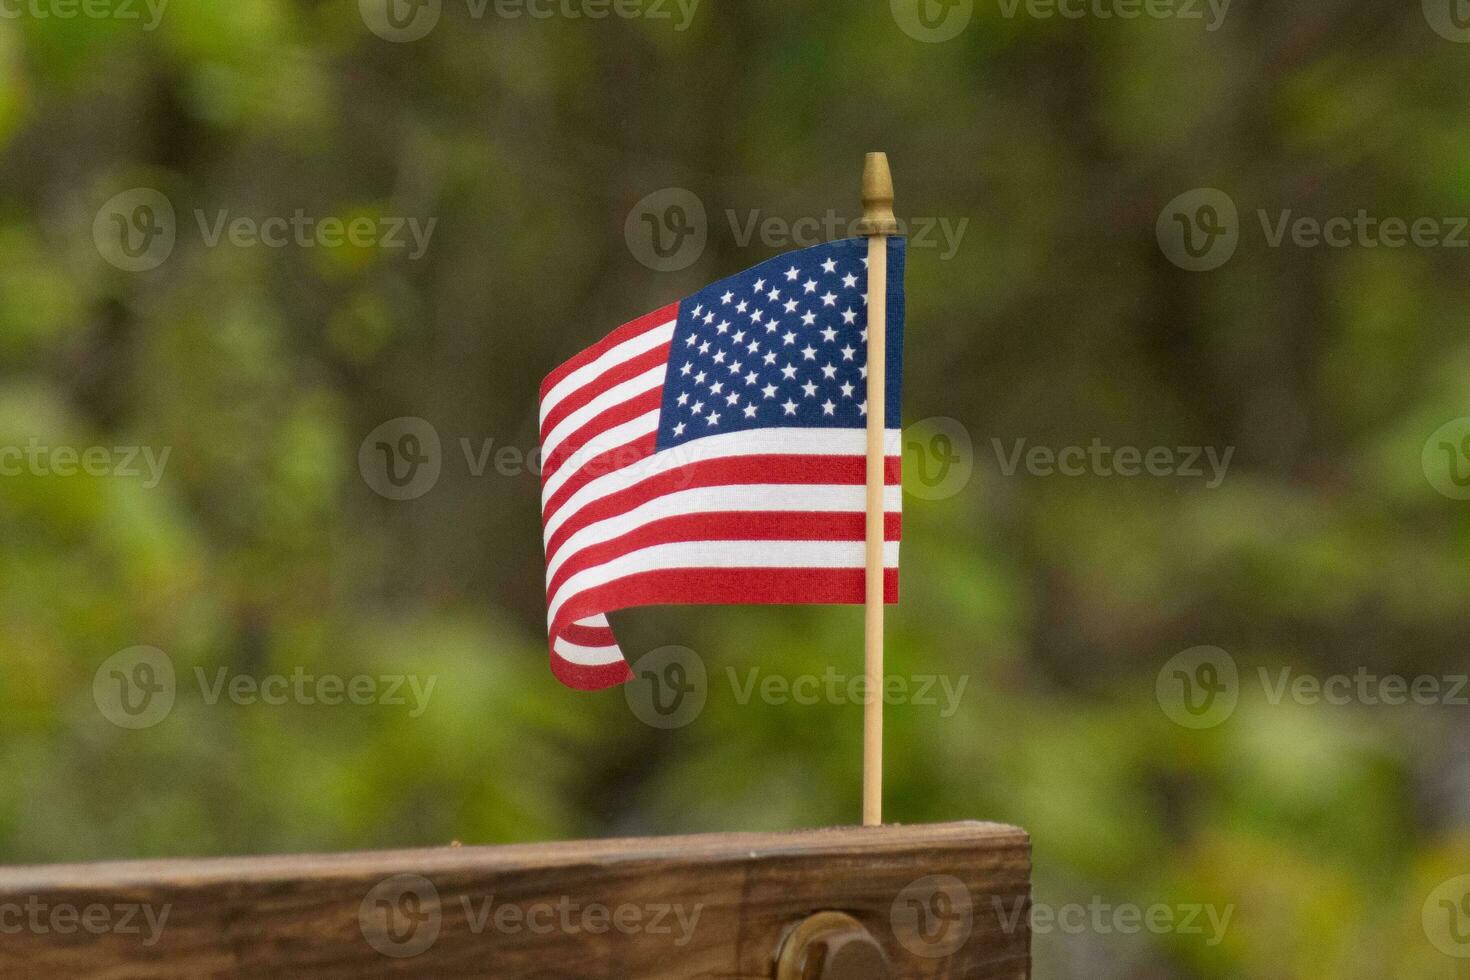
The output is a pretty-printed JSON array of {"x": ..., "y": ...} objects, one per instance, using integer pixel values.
[
  {"x": 791, "y": 306},
  {"x": 753, "y": 347},
  {"x": 704, "y": 347},
  {"x": 714, "y": 419},
  {"x": 738, "y": 336},
  {"x": 863, "y": 372},
  {"x": 789, "y": 337},
  {"x": 717, "y": 387},
  {"x": 769, "y": 357},
  {"x": 755, "y": 316},
  {"x": 829, "y": 266},
  {"x": 788, "y": 372},
  {"x": 697, "y": 407},
  {"x": 865, "y": 261},
  {"x": 769, "y": 391},
  {"x": 773, "y": 295},
  {"x": 699, "y": 309},
  {"x": 736, "y": 367},
  {"x": 828, "y": 334},
  {"x": 679, "y": 429},
  {"x": 722, "y": 327},
  {"x": 828, "y": 408},
  {"x": 809, "y": 352},
  {"x": 847, "y": 353},
  {"x": 686, "y": 369},
  {"x": 810, "y": 286},
  {"x": 727, "y": 297},
  {"x": 760, "y": 285},
  {"x": 829, "y": 298},
  {"x": 849, "y": 280},
  {"x": 863, "y": 407},
  {"x": 847, "y": 389},
  {"x": 810, "y": 389},
  {"x": 733, "y": 398},
  {"x": 740, "y": 307},
  {"x": 692, "y": 338},
  {"x": 790, "y": 406},
  {"x": 808, "y": 318},
  {"x": 828, "y": 371},
  {"x": 709, "y": 318},
  {"x": 683, "y": 398},
  {"x": 848, "y": 316},
  {"x": 752, "y": 378},
  {"x": 750, "y": 411},
  {"x": 699, "y": 378},
  {"x": 719, "y": 357},
  {"x": 791, "y": 274}
]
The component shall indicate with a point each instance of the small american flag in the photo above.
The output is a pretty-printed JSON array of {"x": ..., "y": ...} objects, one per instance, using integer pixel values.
[{"x": 713, "y": 452}]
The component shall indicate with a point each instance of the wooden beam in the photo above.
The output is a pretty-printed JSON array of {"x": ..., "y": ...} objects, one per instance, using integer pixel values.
[{"x": 947, "y": 900}]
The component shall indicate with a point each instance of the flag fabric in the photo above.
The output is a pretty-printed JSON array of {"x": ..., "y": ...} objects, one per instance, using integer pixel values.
[{"x": 714, "y": 451}]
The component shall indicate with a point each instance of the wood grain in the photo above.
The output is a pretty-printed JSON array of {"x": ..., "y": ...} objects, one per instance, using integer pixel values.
[{"x": 706, "y": 906}]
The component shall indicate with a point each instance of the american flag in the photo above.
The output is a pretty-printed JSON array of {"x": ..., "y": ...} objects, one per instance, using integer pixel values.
[{"x": 713, "y": 452}]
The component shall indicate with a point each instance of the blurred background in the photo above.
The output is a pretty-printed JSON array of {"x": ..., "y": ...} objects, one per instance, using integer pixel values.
[{"x": 213, "y": 299}]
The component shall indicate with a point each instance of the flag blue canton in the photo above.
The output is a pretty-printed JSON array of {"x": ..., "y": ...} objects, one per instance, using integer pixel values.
[{"x": 782, "y": 344}]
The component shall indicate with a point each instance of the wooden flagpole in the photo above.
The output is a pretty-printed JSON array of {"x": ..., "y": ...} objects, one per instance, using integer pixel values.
[{"x": 877, "y": 224}]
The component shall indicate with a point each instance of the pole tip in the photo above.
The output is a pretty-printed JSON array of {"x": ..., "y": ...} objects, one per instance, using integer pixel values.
[{"x": 878, "y": 216}]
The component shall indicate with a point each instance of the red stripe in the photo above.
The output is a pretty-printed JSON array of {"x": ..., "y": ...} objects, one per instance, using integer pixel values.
[
  {"x": 586, "y": 677},
  {"x": 614, "y": 459},
  {"x": 730, "y": 526},
  {"x": 622, "y": 412},
  {"x": 786, "y": 468},
  {"x": 589, "y": 636},
  {"x": 626, "y": 332},
  {"x": 626, "y": 371},
  {"x": 714, "y": 586}
]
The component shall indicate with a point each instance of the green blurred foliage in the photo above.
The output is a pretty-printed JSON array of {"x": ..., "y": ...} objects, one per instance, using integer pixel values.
[{"x": 1058, "y": 320}]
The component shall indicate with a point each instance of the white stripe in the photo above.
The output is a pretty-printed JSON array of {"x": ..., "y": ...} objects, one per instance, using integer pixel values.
[
  {"x": 752, "y": 442},
  {"x": 816, "y": 498},
  {"x": 609, "y": 359},
  {"x": 594, "y": 621},
  {"x": 618, "y": 393},
  {"x": 586, "y": 656},
  {"x": 618, "y": 435},
  {"x": 720, "y": 554}
]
